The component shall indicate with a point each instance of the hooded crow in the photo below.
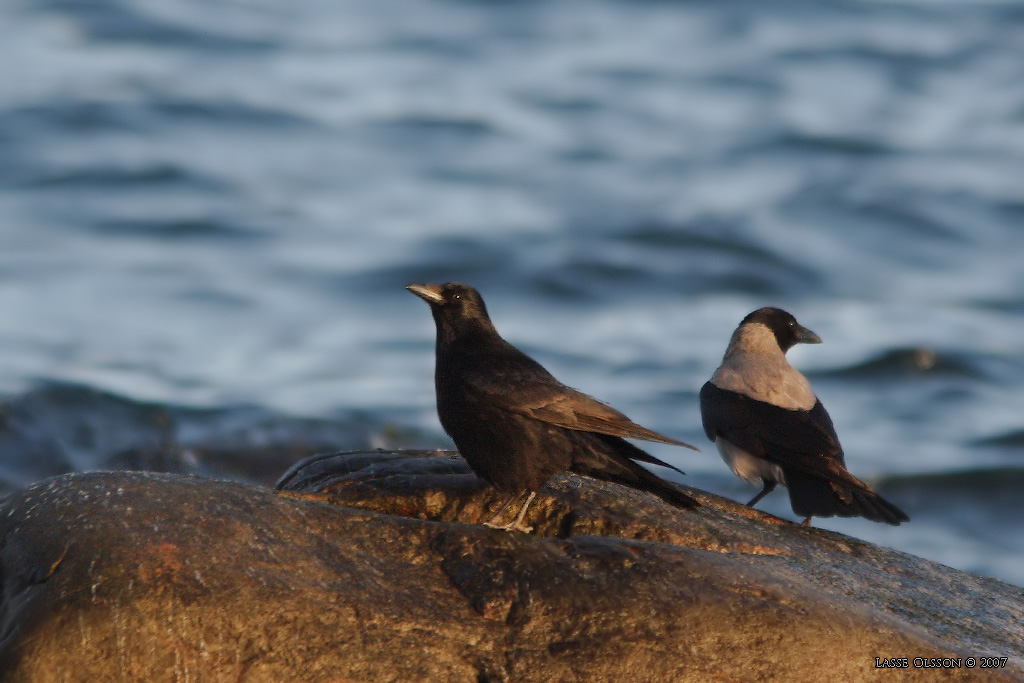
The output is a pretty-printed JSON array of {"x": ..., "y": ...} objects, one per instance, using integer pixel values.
[
  {"x": 771, "y": 429},
  {"x": 514, "y": 423}
]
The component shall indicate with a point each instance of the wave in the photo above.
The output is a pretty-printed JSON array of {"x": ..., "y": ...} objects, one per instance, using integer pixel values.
[
  {"x": 173, "y": 229},
  {"x": 113, "y": 177},
  {"x": 59, "y": 427},
  {"x": 117, "y": 22},
  {"x": 993, "y": 493},
  {"x": 1012, "y": 439},
  {"x": 899, "y": 363}
]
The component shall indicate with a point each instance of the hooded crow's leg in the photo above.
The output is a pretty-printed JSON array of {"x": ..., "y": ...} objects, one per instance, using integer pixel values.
[
  {"x": 767, "y": 487},
  {"x": 806, "y": 522}
]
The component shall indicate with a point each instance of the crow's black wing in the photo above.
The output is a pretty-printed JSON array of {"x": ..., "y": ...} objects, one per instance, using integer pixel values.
[
  {"x": 804, "y": 444},
  {"x": 800, "y": 439},
  {"x": 502, "y": 376}
]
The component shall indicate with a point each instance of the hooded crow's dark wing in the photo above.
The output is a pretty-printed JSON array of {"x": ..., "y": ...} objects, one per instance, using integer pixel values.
[
  {"x": 794, "y": 439},
  {"x": 804, "y": 444}
]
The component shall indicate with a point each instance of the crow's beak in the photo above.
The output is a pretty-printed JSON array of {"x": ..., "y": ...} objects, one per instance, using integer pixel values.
[
  {"x": 805, "y": 336},
  {"x": 429, "y": 293}
]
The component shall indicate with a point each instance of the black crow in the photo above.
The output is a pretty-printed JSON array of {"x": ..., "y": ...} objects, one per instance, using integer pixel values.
[
  {"x": 514, "y": 423},
  {"x": 771, "y": 429}
]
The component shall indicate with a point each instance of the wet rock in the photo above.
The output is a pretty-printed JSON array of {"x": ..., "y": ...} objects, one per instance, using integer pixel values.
[{"x": 369, "y": 567}]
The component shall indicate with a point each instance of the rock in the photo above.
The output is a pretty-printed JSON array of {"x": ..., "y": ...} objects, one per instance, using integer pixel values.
[{"x": 368, "y": 567}]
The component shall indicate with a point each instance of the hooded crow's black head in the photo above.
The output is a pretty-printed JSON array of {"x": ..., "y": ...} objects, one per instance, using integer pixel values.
[
  {"x": 788, "y": 332},
  {"x": 457, "y": 308}
]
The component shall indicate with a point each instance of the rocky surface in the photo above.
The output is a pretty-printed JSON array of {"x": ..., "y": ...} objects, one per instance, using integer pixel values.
[{"x": 369, "y": 567}]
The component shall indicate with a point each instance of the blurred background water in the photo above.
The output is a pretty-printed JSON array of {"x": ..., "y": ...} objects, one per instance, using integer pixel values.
[{"x": 208, "y": 212}]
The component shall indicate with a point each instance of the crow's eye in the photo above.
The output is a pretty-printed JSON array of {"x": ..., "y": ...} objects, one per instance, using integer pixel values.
[{"x": 457, "y": 296}]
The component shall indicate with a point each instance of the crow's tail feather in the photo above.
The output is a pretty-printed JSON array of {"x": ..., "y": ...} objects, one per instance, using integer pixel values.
[{"x": 610, "y": 458}]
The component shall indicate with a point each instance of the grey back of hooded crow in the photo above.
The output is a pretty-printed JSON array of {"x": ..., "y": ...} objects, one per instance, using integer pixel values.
[
  {"x": 771, "y": 429},
  {"x": 514, "y": 423}
]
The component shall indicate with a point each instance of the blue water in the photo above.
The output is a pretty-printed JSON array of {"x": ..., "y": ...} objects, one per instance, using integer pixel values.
[{"x": 209, "y": 210}]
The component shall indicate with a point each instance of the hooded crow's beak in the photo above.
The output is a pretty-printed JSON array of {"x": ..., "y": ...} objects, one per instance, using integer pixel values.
[
  {"x": 805, "y": 336},
  {"x": 429, "y": 293}
]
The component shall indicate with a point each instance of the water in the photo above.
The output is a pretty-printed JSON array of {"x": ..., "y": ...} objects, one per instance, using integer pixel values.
[{"x": 208, "y": 212}]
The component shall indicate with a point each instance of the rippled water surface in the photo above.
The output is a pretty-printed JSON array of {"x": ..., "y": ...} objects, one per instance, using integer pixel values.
[{"x": 208, "y": 212}]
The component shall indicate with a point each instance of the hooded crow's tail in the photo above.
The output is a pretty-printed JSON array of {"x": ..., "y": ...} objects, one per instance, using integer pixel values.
[
  {"x": 816, "y": 497},
  {"x": 610, "y": 458}
]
